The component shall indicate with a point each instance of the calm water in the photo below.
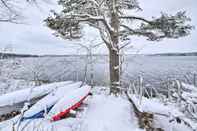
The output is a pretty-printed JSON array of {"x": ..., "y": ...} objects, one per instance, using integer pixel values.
[{"x": 152, "y": 68}]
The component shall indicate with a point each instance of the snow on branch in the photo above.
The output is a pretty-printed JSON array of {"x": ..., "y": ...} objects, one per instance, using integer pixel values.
[
  {"x": 138, "y": 32},
  {"x": 135, "y": 18},
  {"x": 68, "y": 25},
  {"x": 166, "y": 26}
]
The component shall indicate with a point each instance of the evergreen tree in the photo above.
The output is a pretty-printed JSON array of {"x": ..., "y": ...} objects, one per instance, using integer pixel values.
[{"x": 114, "y": 25}]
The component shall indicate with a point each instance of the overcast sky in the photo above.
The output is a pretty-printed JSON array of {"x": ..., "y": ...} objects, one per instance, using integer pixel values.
[{"x": 35, "y": 38}]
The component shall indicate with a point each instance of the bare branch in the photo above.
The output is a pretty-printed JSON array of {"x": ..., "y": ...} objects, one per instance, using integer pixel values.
[
  {"x": 125, "y": 45},
  {"x": 12, "y": 19},
  {"x": 7, "y": 6},
  {"x": 8, "y": 12}
]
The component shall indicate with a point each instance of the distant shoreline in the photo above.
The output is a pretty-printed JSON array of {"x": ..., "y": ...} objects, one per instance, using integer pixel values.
[
  {"x": 175, "y": 54},
  {"x": 14, "y": 55}
]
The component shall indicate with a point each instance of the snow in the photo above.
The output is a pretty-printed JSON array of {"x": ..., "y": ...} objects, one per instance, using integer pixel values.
[
  {"x": 29, "y": 93},
  {"x": 103, "y": 113},
  {"x": 41, "y": 125},
  {"x": 189, "y": 87},
  {"x": 148, "y": 105},
  {"x": 108, "y": 113},
  {"x": 8, "y": 85},
  {"x": 51, "y": 99},
  {"x": 160, "y": 109}
]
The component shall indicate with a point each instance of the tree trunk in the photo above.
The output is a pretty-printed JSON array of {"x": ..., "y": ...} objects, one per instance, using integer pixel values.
[
  {"x": 114, "y": 69},
  {"x": 114, "y": 65}
]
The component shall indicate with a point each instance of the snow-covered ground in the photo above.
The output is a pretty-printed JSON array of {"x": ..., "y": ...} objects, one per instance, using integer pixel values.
[
  {"x": 103, "y": 112},
  {"x": 108, "y": 113}
]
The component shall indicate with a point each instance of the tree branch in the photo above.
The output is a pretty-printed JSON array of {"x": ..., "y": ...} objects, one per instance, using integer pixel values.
[
  {"x": 10, "y": 20},
  {"x": 166, "y": 26},
  {"x": 151, "y": 36},
  {"x": 135, "y": 18},
  {"x": 6, "y": 5},
  {"x": 87, "y": 17}
]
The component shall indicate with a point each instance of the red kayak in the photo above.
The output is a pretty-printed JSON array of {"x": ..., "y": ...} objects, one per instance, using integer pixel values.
[{"x": 70, "y": 101}]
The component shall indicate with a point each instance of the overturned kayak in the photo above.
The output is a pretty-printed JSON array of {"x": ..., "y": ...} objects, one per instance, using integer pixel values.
[
  {"x": 44, "y": 105},
  {"x": 15, "y": 100},
  {"x": 70, "y": 101}
]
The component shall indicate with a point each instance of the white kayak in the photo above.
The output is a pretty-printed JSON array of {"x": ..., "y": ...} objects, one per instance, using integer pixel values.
[
  {"x": 46, "y": 103},
  {"x": 19, "y": 96}
]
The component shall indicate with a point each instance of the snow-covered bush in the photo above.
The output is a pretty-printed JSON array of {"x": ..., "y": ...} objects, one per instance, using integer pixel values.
[
  {"x": 185, "y": 97},
  {"x": 178, "y": 96}
]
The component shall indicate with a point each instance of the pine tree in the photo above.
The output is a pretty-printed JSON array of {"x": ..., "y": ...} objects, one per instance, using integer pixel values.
[{"x": 114, "y": 25}]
